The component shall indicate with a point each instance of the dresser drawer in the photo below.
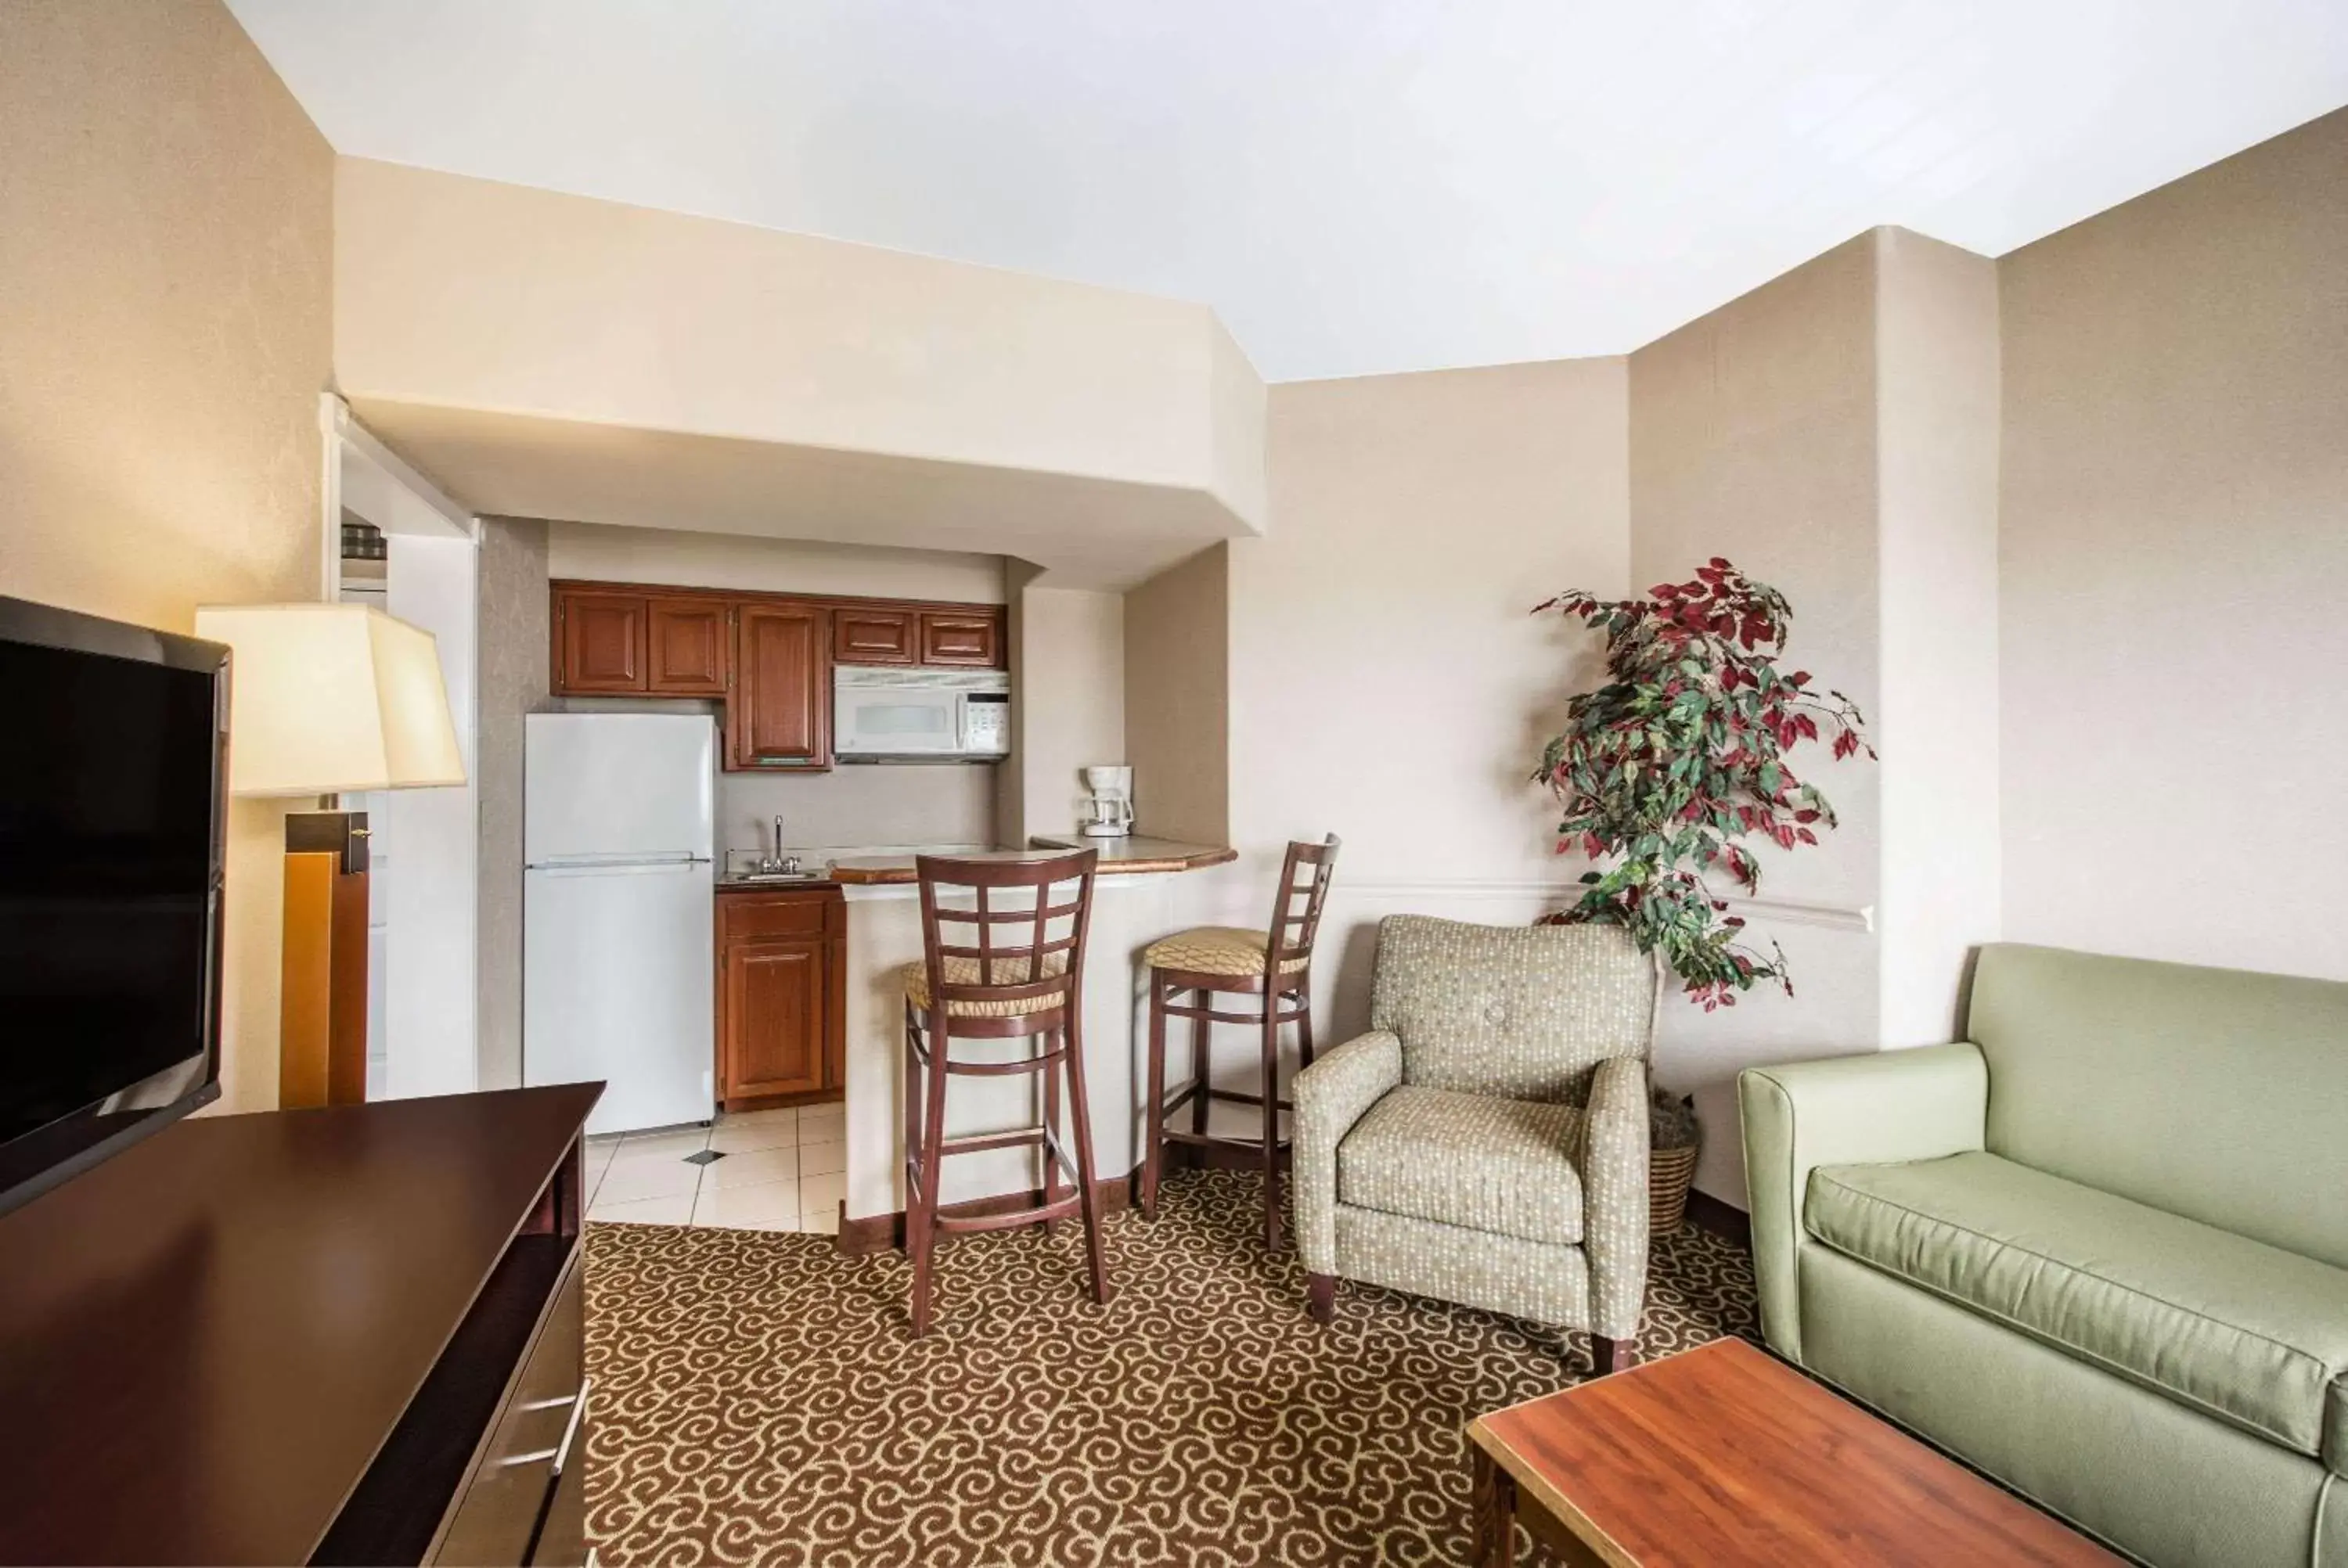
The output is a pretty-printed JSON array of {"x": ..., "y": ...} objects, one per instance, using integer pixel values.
[
  {"x": 538, "y": 1433},
  {"x": 742, "y": 916}
]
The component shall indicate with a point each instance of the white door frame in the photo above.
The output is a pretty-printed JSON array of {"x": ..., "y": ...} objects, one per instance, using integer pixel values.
[{"x": 429, "y": 892}]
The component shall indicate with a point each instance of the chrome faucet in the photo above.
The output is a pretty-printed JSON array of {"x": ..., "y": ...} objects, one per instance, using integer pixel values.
[{"x": 778, "y": 864}]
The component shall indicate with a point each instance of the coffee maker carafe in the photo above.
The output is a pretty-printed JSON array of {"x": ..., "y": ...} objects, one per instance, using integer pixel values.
[{"x": 1108, "y": 807}]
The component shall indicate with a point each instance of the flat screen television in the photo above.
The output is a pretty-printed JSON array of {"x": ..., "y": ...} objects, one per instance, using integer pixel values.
[{"x": 113, "y": 794}]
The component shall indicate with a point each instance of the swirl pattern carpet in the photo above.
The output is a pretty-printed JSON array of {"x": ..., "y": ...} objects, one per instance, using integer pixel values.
[{"x": 757, "y": 1398}]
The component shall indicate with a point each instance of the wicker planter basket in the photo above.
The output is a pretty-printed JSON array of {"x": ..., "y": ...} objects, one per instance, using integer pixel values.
[{"x": 1669, "y": 1174}]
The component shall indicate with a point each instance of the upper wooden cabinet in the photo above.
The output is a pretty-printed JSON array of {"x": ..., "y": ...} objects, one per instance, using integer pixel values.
[
  {"x": 768, "y": 656},
  {"x": 970, "y": 638},
  {"x": 874, "y": 634},
  {"x": 686, "y": 646},
  {"x": 599, "y": 641},
  {"x": 779, "y": 713}
]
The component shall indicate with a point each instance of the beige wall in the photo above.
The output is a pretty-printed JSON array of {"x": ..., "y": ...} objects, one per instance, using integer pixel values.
[
  {"x": 166, "y": 233},
  {"x": 860, "y": 804},
  {"x": 686, "y": 560},
  {"x": 1067, "y": 667},
  {"x": 1937, "y": 729},
  {"x": 512, "y": 681},
  {"x": 2175, "y": 533},
  {"x": 508, "y": 338},
  {"x": 1753, "y": 436},
  {"x": 1178, "y": 734},
  {"x": 1388, "y": 681}
]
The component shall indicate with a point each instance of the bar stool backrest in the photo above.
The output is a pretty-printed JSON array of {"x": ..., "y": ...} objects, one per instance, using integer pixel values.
[
  {"x": 1019, "y": 942},
  {"x": 1304, "y": 888}
]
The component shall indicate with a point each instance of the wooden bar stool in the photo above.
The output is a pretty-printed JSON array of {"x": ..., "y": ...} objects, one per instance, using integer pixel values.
[
  {"x": 1211, "y": 960},
  {"x": 1016, "y": 979}
]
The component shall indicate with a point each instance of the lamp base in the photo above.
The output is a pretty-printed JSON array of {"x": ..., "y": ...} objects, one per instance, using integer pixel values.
[{"x": 322, "y": 1029}]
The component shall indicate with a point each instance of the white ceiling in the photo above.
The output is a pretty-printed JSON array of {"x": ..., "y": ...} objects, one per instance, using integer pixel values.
[{"x": 1356, "y": 186}]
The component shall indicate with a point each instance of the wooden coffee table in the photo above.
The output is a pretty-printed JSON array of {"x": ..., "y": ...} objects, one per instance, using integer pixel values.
[{"x": 1722, "y": 1456}]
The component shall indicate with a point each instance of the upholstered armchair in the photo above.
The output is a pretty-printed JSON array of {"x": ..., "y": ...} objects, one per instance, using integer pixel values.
[{"x": 1486, "y": 1142}]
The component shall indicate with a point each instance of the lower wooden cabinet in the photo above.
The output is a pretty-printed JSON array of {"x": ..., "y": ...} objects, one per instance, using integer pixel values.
[{"x": 782, "y": 994}]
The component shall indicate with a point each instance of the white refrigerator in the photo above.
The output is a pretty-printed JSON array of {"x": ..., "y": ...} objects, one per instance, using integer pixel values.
[{"x": 617, "y": 966}]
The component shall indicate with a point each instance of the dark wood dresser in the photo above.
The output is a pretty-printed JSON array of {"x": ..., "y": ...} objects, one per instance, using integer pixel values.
[{"x": 349, "y": 1334}]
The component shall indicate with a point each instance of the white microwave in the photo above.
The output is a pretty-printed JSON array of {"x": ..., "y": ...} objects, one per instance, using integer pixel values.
[{"x": 883, "y": 714}]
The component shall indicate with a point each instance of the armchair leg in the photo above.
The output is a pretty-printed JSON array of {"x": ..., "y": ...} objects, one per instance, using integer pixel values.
[
  {"x": 1610, "y": 1356},
  {"x": 1321, "y": 1297}
]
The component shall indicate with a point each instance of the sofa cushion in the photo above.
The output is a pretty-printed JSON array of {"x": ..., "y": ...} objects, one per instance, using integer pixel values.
[
  {"x": 2231, "y": 1327},
  {"x": 1484, "y": 1164}
]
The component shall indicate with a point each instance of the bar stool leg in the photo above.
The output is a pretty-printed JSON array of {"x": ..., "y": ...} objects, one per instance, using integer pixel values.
[
  {"x": 1052, "y": 1122},
  {"x": 1271, "y": 1120},
  {"x": 1202, "y": 999},
  {"x": 922, "y": 1226},
  {"x": 1153, "y": 1156},
  {"x": 1304, "y": 1025},
  {"x": 1071, "y": 1062},
  {"x": 916, "y": 1086}
]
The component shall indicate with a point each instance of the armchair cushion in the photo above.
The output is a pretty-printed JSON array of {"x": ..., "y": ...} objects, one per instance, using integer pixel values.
[
  {"x": 1506, "y": 1166},
  {"x": 1523, "y": 1012},
  {"x": 2240, "y": 1330}
]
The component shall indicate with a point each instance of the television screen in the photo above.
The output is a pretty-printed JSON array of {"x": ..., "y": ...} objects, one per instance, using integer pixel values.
[{"x": 110, "y": 851}]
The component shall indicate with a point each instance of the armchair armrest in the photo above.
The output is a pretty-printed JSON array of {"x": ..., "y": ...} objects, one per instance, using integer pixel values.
[
  {"x": 1614, "y": 1194},
  {"x": 1330, "y": 1096},
  {"x": 1873, "y": 1109}
]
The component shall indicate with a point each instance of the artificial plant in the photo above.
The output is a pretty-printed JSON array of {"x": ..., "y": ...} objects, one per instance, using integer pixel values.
[{"x": 1681, "y": 755}]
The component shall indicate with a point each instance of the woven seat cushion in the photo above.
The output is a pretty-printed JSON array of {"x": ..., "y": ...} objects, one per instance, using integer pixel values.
[
  {"x": 2241, "y": 1331},
  {"x": 1215, "y": 950},
  {"x": 1470, "y": 1160},
  {"x": 964, "y": 972}
]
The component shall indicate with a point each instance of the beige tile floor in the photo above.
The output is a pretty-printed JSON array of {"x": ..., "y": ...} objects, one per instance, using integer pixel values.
[{"x": 782, "y": 1171}]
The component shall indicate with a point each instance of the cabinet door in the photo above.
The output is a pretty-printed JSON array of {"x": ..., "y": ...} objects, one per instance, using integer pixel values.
[
  {"x": 866, "y": 636},
  {"x": 778, "y": 1003},
  {"x": 599, "y": 640},
  {"x": 779, "y": 712},
  {"x": 962, "y": 637},
  {"x": 685, "y": 645}
]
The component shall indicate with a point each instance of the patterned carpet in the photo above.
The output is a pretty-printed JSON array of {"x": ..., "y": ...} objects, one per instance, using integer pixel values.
[{"x": 757, "y": 1398}]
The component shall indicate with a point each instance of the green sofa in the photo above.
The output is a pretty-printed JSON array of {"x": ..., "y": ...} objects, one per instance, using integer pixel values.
[{"x": 2099, "y": 1249}]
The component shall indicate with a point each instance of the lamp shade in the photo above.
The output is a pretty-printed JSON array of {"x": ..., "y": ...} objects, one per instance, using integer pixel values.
[{"x": 330, "y": 697}]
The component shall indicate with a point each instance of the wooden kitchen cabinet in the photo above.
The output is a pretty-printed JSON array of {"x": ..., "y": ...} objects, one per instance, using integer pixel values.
[
  {"x": 686, "y": 652},
  {"x": 874, "y": 634},
  {"x": 782, "y": 995},
  {"x": 961, "y": 637},
  {"x": 599, "y": 641},
  {"x": 780, "y": 713}
]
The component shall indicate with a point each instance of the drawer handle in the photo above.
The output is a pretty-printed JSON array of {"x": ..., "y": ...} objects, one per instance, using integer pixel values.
[
  {"x": 561, "y": 1451},
  {"x": 571, "y": 1430}
]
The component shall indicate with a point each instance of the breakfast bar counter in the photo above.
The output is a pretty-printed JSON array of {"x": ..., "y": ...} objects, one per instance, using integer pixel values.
[
  {"x": 1146, "y": 888},
  {"x": 1130, "y": 855}
]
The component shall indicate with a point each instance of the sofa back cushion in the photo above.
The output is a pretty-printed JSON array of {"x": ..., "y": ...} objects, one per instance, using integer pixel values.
[
  {"x": 1525, "y": 1012},
  {"x": 2218, "y": 1094}
]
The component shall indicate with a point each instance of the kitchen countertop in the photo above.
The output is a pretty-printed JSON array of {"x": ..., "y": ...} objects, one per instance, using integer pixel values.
[{"x": 1134, "y": 855}]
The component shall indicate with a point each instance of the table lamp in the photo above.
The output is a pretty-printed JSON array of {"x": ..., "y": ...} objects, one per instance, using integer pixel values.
[{"x": 325, "y": 699}]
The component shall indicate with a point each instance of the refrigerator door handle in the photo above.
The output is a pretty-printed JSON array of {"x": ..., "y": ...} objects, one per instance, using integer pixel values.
[{"x": 631, "y": 868}]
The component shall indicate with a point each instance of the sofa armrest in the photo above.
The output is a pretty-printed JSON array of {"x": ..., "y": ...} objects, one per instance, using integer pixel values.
[
  {"x": 1874, "y": 1109},
  {"x": 1614, "y": 1194},
  {"x": 1330, "y": 1096}
]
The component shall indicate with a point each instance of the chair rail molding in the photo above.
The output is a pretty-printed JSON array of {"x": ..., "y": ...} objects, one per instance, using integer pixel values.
[{"x": 1520, "y": 890}]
